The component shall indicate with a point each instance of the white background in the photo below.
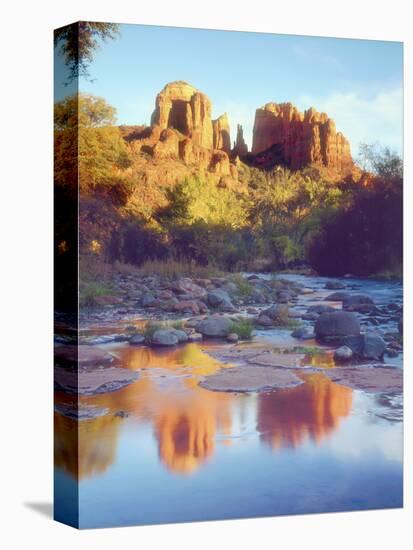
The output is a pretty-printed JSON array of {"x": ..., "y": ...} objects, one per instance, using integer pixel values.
[{"x": 26, "y": 270}]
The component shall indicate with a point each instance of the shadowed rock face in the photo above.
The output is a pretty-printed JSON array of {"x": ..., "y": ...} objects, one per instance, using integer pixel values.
[
  {"x": 221, "y": 133},
  {"x": 240, "y": 147},
  {"x": 299, "y": 139}
]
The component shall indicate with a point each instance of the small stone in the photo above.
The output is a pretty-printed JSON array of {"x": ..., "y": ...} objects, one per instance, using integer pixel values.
[
  {"x": 137, "y": 340},
  {"x": 195, "y": 337},
  {"x": 343, "y": 353}
]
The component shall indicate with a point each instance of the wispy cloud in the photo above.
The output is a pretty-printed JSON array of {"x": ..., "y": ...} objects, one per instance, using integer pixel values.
[{"x": 378, "y": 118}]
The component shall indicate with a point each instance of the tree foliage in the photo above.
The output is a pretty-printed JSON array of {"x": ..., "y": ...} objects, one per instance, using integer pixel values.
[
  {"x": 78, "y": 43},
  {"x": 85, "y": 135}
]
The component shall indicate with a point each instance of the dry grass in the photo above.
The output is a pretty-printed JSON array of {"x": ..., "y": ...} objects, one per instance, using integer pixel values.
[{"x": 177, "y": 268}]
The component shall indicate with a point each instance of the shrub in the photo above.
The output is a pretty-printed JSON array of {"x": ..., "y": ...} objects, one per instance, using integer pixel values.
[
  {"x": 88, "y": 292},
  {"x": 245, "y": 288},
  {"x": 243, "y": 328}
]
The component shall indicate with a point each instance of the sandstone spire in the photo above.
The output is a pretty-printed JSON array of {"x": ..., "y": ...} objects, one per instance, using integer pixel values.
[
  {"x": 240, "y": 147},
  {"x": 221, "y": 131}
]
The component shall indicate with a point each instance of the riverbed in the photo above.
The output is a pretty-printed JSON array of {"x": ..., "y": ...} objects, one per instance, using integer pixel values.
[{"x": 167, "y": 450}]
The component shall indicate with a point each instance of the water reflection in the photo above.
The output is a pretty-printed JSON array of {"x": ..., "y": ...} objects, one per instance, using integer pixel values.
[
  {"x": 313, "y": 410},
  {"x": 187, "y": 421},
  {"x": 87, "y": 448}
]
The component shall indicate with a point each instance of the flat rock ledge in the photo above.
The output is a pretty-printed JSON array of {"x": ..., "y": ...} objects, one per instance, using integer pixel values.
[
  {"x": 82, "y": 356},
  {"x": 250, "y": 379},
  {"x": 371, "y": 379},
  {"x": 93, "y": 381},
  {"x": 81, "y": 412},
  {"x": 280, "y": 360}
]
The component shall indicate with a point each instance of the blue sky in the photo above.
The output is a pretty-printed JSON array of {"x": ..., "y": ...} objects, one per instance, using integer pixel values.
[{"x": 359, "y": 83}]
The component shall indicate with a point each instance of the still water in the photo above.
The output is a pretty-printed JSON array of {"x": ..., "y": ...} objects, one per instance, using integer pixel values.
[{"x": 183, "y": 453}]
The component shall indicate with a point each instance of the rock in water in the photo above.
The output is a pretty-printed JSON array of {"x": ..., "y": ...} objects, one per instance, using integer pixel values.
[
  {"x": 137, "y": 340},
  {"x": 247, "y": 379},
  {"x": 164, "y": 337},
  {"x": 343, "y": 353},
  {"x": 337, "y": 296},
  {"x": 334, "y": 285},
  {"x": 358, "y": 302},
  {"x": 320, "y": 308},
  {"x": 215, "y": 327},
  {"x": 303, "y": 333},
  {"x": 220, "y": 299},
  {"x": 336, "y": 325},
  {"x": 366, "y": 346}
]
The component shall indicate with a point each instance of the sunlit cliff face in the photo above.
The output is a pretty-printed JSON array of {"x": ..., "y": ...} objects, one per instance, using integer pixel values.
[
  {"x": 187, "y": 419},
  {"x": 310, "y": 411}
]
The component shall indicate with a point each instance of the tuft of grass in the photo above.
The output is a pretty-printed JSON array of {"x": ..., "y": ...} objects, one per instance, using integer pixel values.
[
  {"x": 89, "y": 291},
  {"x": 243, "y": 328},
  {"x": 309, "y": 350},
  {"x": 177, "y": 325},
  {"x": 153, "y": 326},
  {"x": 245, "y": 288}
]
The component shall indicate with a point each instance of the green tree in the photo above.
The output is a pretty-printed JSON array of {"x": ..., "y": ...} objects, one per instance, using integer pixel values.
[{"x": 85, "y": 135}]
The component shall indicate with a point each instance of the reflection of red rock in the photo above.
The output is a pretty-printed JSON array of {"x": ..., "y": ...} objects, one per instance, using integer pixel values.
[
  {"x": 86, "y": 448},
  {"x": 314, "y": 410},
  {"x": 185, "y": 435}
]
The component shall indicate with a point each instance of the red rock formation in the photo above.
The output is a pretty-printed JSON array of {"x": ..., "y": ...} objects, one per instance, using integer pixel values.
[
  {"x": 181, "y": 107},
  {"x": 221, "y": 133},
  {"x": 240, "y": 147},
  {"x": 298, "y": 139}
]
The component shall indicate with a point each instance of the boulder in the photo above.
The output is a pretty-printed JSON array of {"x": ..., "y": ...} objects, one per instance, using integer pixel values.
[
  {"x": 275, "y": 311},
  {"x": 358, "y": 302},
  {"x": 185, "y": 286},
  {"x": 366, "y": 346},
  {"x": 219, "y": 298},
  {"x": 303, "y": 333},
  {"x": 187, "y": 306},
  {"x": 264, "y": 320},
  {"x": 337, "y": 296},
  {"x": 232, "y": 337},
  {"x": 334, "y": 285},
  {"x": 343, "y": 353},
  {"x": 164, "y": 337},
  {"x": 336, "y": 325},
  {"x": 320, "y": 308},
  {"x": 148, "y": 300},
  {"x": 215, "y": 327},
  {"x": 181, "y": 335},
  {"x": 137, "y": 340}
]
